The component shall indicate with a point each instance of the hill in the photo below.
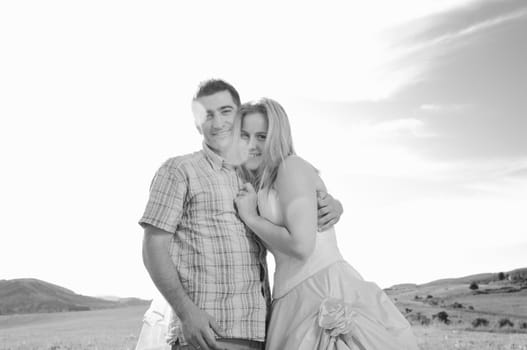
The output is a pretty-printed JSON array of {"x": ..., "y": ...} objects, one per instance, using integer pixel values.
[
  {"x": 19, "y": 296},
  {"x": 487, "y": 301}
]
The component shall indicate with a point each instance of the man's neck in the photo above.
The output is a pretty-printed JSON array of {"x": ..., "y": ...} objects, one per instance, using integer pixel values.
[{"x": 218, "y": 152}]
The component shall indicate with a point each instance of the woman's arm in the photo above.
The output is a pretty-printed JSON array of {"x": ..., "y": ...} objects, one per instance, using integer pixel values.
[
  {"x": 296, "y": 189},
  {"x": 274, "y": 236}
]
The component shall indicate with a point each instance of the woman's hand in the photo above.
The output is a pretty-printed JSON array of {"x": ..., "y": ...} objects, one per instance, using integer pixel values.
[{"x": 246, "y": 202}]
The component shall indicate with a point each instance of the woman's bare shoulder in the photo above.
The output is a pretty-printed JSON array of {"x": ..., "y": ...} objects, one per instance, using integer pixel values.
[
  {"x": 296, "y": 163},
  {"x": 296, "y": 169}
]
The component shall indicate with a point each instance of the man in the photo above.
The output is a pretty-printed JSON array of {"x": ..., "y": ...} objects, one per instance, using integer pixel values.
[{"x": 208, "y": 266}]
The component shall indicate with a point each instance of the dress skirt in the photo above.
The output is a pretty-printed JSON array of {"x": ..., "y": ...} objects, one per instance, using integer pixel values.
[
  {"x": 335, "y": 309},
  {"x": 153, "y": 334}
]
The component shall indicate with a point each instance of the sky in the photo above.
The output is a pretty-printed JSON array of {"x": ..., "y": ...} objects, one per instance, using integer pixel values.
[{"x": 414, "y": 111}]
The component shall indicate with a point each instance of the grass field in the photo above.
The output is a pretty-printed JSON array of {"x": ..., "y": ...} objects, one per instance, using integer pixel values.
[
  {"x": 118, "y": 329},
  {"x": 443, "y": 338},
  {"x": 113, "y": 329}
]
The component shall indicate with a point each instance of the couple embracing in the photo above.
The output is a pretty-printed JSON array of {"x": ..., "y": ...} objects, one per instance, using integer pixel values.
[{"x": 213, "y": 214}]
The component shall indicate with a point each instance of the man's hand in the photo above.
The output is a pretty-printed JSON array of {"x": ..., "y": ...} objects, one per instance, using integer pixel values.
[
  {"x": 199, "y": 327},
  {"x": 329, "y": 210}
]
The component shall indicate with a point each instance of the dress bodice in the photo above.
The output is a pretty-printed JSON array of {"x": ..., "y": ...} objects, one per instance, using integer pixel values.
[{"x": 290, "y": 271}]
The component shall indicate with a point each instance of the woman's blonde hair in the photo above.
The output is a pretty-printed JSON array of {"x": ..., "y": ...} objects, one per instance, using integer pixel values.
[{"x": 278, "y": 143}]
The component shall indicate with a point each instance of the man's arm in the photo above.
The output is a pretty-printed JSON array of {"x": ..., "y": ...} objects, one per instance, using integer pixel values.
[
  {"x": 329, "y": 210},
  {"x": 162, "y": 270},
  {"x": 198, "y": 326}
]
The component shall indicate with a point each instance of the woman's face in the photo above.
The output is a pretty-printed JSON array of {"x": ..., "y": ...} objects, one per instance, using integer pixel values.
[{"x": 253, "y": 135}]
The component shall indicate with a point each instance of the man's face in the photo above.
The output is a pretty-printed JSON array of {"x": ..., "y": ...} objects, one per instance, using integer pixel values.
[{"x": 214, "y": 118}]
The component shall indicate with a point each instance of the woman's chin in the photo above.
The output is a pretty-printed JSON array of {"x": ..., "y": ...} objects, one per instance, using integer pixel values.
[{"x": 252, "y": 164}]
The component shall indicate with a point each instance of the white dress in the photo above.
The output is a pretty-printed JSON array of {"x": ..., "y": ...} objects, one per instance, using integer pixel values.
[
  {"x": 324, "y": 304},
  {"x": 154, "y": 331}
]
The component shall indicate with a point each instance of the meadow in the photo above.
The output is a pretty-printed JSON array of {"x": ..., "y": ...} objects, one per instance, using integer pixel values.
[
  {"x": 118, "y": 329},
  {"x": 109, "y": 329}
]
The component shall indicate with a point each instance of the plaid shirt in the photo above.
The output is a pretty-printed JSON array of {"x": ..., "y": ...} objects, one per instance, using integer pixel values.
[{"x": 221, "y": 264}]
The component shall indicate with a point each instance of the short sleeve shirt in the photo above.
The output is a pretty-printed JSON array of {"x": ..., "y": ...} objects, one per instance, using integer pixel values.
[{"x": 220, "y": 263}]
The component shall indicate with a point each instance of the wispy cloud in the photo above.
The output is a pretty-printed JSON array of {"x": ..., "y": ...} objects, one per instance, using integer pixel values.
[
  {"x": 435, "y": 108},
  {"x": 452, "y": 37},
  {"x": 416, "y": 51},
  {"x": 400, "y": 125},
  {"x": 502, "y": 177},
  {"x": 519, "y": 173}
]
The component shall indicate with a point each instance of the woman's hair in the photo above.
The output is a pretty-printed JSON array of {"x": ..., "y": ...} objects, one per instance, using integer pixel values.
[{"x": 278, "y": 143}]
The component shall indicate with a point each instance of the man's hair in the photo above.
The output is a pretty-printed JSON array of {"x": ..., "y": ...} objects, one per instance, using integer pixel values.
[{"x": 212, "y": 86}]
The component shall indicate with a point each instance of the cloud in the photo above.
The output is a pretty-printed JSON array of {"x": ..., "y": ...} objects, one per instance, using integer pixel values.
[
  {"x": 521, "y": 173},
  {"x": 436, "y": 108},
  {"x": 467, "y": 83},
  {"x": 398, "y": 130},
  {"x": 513, "y": 169},
  {"x": 503, "y": 189},
  {"x": 497, "y": 178},
  {"x": 400, "y": 125},
  {"x": 473, "y": 29},
  {"x": 417, "y": 47}
]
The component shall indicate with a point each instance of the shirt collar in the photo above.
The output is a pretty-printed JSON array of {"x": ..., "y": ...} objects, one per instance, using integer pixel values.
[{"x": 215, "y": 159}]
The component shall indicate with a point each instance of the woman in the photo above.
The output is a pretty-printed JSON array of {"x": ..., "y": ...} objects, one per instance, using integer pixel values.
[{"x": 320, "y": 301}]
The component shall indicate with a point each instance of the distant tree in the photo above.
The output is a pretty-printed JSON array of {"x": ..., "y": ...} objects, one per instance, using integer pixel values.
[
  {"x": 478, "y": 322},
  {"x": 408, "y": 310},
  {"x": 501, "y": 276},
  {"x": 471, "y": 307},
  {"x": 523, "y": 325},
  {"x": 457, "y": 305},
  {"x": 421, "y": 319},
  {"x": 474, "y": 286},
  {"x": 442, "y": 316},
  {"x": 429, "y": 296},
  {"x": 505, "y": 322},
  {"x": 425, "y": 321}
]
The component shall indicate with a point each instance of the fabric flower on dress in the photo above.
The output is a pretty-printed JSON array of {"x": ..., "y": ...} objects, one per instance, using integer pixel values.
[
  {"x": 338, "y": 321},
  {"x": 336, "y": 317}
]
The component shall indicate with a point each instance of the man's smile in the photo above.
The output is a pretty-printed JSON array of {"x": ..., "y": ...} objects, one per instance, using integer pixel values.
[{"x": 222, "y": 133}]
